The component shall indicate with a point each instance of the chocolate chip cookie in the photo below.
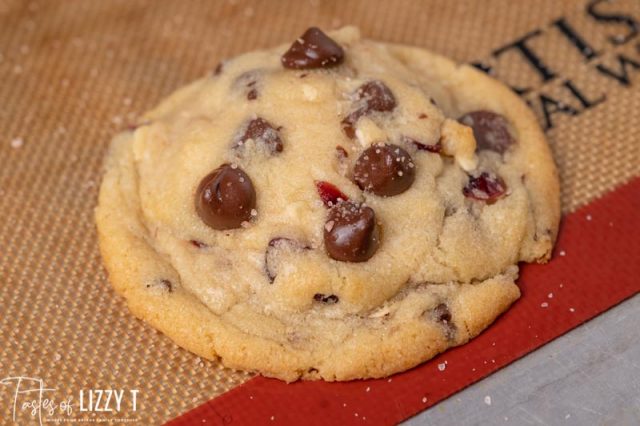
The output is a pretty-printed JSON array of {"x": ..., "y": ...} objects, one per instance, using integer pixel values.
[{"x": 335, "y": 208}]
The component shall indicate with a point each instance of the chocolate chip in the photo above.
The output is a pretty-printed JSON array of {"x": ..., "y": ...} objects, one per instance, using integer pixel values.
[
  {"x": 442, "y": 315},
  {"x": 274, "y": 248},
  {"x": 247, "y": 82},
  {"x": 225, "y": 198},
  {"x": 423, "y": 116},
  {"x": 198, "y": 244},
  {"x": 329, "y": 193},
  {"x": 261, "y": 132},
  {"x": 373, "y": 96},
  {"x": 162, "y": 284},
  {"x": 218, "y": 69},
  {"x": 490, "y": 130},
  {"x": 331, "y": 299},
  {"x": 351, "y": 233},
  {"x": 436, "y": 149},
  {"x": 486, "y": 187},
  {"x": 314, "y": 49},
  {"x": 384, "y": 170}
]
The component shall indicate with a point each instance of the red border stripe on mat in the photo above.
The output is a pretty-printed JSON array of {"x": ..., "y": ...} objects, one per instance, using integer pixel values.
[{"x": 596, "y": 266}]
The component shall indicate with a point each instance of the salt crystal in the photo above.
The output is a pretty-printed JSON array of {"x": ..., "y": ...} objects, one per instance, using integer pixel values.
[
  {"x": 17, "y": 143},
  {"x": 550, "y": 295},
  {"x": 273, "y": 418},
  {"x": 442, "y": 366},
  {"x": 588, "y": 217},
  {"x": 562, "y": 253},
  {"x": 544, "y": 305},
  {"x": 424, "y": 399},
  {"x": 487, "y": 400},
  {"x": 254, "y": 212},
  {"x": 571, "y": 310},
  {"x": 367, "y": 389}
]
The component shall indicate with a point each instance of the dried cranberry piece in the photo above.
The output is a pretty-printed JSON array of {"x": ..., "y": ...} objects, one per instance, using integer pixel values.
[
  {"x": 329, "y": 193},
  {"x": 486, "y": 187}
]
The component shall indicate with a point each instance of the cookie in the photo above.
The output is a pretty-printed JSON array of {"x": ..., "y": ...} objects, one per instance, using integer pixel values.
[{"x": 334, "y": 209}]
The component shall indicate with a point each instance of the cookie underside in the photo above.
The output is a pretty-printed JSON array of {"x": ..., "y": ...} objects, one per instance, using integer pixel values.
[{"x": 414, "y": 324}]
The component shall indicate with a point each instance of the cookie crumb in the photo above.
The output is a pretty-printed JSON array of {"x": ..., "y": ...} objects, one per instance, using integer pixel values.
[
  {"x": 487, "y": 400},
  {"x": 57, "y": 357},
  {"x": 17, "y": 143}
]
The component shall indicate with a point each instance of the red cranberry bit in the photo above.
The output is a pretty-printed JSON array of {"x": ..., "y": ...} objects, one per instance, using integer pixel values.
[
  {"x": 486, "y": 187},
  {"x": 490, "y": 130},
  {"x": 329, "y": 193},
  {"x": 198, "y": 244},
  {"x": 314, "y": 49}
]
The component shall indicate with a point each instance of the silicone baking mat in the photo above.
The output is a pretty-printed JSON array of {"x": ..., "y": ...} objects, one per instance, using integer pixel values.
[{"x": 74, "y": 72}]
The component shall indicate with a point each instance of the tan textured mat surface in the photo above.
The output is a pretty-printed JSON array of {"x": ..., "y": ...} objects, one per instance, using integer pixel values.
[{"x": 73, "y": 72}]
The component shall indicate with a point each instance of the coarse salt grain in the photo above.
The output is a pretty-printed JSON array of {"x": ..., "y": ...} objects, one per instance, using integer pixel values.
[
  {"x": 544, "y": 305},
  {"x": 562, "y": 253},
  {"x": 424, "y": 399},
  {"x": 550, "y": 295},
  {"x": 571, "y": 310},
  {"x": 588, "y": 217},
  {"x": 367, "y": 389},
  {"x": 442, "y": 366},
  {"x": 487, "y": 400}
]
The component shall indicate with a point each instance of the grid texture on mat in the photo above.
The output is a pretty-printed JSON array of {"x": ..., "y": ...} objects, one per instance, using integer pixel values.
[{"x": 74, "y": 72}]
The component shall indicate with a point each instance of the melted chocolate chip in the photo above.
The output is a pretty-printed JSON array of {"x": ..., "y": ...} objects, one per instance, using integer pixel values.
[
  {"x": 218, "y": 69},
  {"x": 274, "y": 248},
  {"x": 442, "y": 314},
  {"x": 436, "y": 149},
  {"x": 225, "y": 198},
  {"x": 263, "y": 132},
  {"x": 330, "y": 299},
  {"x": 490, "y": 130},
  {"x": 314, "y": 49},
  {"x": 486, "y": 187},
  {"x": 329, "y": 193},
  {"x": 247, "y": 82},
  {"x": 384, "y": 170},
  {"x": 373, "y": 96},
  {"x": 351, "y": 233},
  {"x": 252, "y": 94}
]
